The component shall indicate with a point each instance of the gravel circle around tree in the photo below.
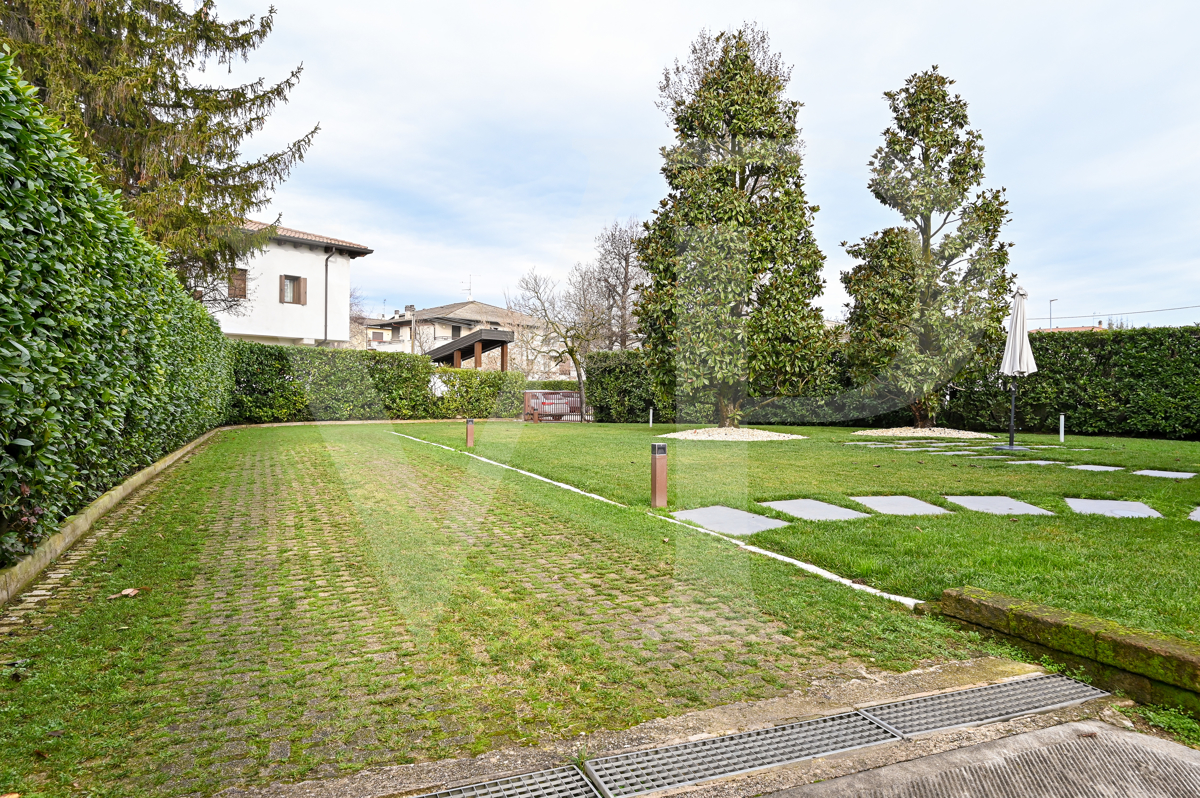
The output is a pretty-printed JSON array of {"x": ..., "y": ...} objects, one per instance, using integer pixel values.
[
  {"x": 731, "y": 434},
  {"x": 916, "y": 432}
]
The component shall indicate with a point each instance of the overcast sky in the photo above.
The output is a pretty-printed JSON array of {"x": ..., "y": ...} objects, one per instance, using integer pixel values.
[{"x": 485, "y": 139}]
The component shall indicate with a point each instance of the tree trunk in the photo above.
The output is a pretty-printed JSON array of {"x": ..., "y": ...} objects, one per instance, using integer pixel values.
[
  {"x": 924, "y": 412},
  {"x": 727, "y": 407},
  {"x": 582, "y": 395}
]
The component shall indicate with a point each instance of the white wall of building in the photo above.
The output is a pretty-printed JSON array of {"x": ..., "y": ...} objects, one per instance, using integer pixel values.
[{"x": 264, "y": 318}]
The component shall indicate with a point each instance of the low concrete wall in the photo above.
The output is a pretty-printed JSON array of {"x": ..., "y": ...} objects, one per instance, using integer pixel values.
[
  {"x": 1149, "y": 667},
  {"x": 15, "y": 579}
]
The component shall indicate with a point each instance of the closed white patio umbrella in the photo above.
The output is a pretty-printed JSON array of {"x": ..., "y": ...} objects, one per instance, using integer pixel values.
[{"x": 1018, "y": 361}]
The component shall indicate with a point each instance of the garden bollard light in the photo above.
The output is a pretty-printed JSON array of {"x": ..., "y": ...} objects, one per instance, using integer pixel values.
[
  {"x": 1062, "y": 427},
  {"x": 652, "y": 417},
  {"x": 470, "y": 433},
  {"x": 658, "y": 475}
]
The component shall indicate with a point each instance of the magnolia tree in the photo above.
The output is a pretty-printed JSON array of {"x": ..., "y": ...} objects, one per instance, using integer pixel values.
[
  {"x": 727, "y": 316},
  {"x": 929, "y": 297}
]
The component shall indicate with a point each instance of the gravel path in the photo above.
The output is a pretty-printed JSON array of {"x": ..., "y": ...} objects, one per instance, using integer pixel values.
[
  {"x": 915, "y": 432},
  {"x": 731, "y": 434}
]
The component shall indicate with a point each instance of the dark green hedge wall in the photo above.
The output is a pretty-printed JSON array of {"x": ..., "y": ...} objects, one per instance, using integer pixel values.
[
  {"x": 105, "y": 363},
  {"x": 292, "y": 383},
  {"x": 1143, "y": 382},
  {"x": 619, "y": 388},
  {"x": 480, "y": 394}
]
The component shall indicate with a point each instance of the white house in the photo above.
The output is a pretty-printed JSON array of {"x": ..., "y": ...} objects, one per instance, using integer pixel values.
[{"x": 297, "y": 291}]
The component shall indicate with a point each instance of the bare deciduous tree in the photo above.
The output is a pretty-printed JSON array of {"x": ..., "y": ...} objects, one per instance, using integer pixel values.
[
  {"x": 620, "y": 275},
  {"x": 573, "y": 319}
]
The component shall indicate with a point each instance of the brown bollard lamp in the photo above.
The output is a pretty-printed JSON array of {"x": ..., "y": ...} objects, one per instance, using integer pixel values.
[
  {"x": 470, "y": 433},
  {"x": 658, "y": 475}
]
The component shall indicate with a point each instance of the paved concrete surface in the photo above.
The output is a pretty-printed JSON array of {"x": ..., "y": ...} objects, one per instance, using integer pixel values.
[
  {"x": 997, "y": 505},
  {"x": 727, "y": 520},
  {"x": 1095, "y": 468},
  {"x": 899, "y": 505},
  {"x": 1075, "y": 760},
  {"x": 1170, "y": 474},
  {"x": 813, "y": 510},
  {"x": 1112, "y": 508}
]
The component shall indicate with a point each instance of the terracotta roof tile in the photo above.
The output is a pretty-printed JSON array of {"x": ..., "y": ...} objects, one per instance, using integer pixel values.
[{"x": 300, "y": 235}]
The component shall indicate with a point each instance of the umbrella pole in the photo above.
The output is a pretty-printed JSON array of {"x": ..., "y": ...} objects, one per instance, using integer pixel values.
[{"x": 1012, "y": 417}]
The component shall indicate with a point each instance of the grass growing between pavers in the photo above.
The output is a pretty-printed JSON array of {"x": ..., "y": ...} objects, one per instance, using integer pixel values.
[
  {"x": 1139, "y": 572},
  {"x": 326, "y": 598}
]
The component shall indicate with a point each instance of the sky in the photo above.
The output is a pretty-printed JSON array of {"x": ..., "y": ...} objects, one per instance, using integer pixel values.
[{"x": 472, "y": 142}]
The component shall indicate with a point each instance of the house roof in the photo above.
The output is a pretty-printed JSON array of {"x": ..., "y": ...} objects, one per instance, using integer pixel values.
[
  {"x": 301, "y": 237},
  {"x": 487, "y": 339},
  {"x": 470, "y": 312}
]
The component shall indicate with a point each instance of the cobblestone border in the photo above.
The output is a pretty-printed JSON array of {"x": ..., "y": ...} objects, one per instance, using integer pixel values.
[{"x": 18, "y": 577}]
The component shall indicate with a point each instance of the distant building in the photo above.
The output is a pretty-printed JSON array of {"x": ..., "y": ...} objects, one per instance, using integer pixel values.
[
  {"x": 426, "y": 331},
  {"x": 297, "y": 291},
  {"x": 1070, "y": 329}
]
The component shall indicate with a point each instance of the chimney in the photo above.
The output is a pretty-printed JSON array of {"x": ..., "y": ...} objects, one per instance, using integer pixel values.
[{"x": 409, "y": 311}]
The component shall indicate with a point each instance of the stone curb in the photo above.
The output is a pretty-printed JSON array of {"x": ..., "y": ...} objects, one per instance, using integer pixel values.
[
  {"x": 1167, "y": 666},
  {"x": 16, "y": 578}
]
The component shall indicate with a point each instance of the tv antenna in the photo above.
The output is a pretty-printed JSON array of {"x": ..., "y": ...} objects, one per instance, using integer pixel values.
[{"x": 467, "y": 290}]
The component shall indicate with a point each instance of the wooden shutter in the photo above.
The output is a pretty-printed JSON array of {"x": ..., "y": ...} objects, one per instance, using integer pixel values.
[
  {"x": 282, "y": 286},
  {"x": 303, "y": 290},
  {"x": 237, "y": 285}
]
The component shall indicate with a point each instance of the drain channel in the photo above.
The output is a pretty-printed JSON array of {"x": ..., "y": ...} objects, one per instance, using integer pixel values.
[
  {"x": 641, "y": 772},
  {"x": 648, "y": 771},
  {"x": 980, "y": 705},
  {"x": 565, "y": 782}
]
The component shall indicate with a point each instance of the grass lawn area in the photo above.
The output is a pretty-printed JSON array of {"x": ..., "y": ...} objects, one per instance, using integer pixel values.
[
  {"x": 1137, "y": 571},
  {"x": 320, "y": 599}
]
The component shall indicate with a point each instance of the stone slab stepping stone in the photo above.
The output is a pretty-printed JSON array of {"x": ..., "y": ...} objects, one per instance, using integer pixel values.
[
  {"x": 728, "y": 520},
  {"x": 1081, "y": 450},
  {"x": 997, "y": 505},
  {"x": 951, "y": 452},
  {"x": 899, "y": 505},
  {"x": 813, "y": 510},
  {"x": 1195, "y": 516},
  {"x": 1113, "y": 509},
  {"x": 1096, "y": 468},
  {"x": 1170, "y": 474},
  {"x": 990, "y": 457},
  {"x": 916, "y": 450},
  {"x": 1035, "y": 462}
]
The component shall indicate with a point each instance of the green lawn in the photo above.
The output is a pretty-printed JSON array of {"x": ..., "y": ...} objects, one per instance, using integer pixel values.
[
  {"x": 1142, "y": 572},
  {"x": 323, "y": 599}
]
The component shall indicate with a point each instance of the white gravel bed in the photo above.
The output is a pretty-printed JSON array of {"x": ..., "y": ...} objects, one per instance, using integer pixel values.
[
  {"x": 913, "y": 432},
  {"x": 731, "y": 434}
]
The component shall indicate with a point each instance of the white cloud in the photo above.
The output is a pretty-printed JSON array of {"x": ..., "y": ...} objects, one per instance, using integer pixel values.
[{"x": 486, "y": 138}]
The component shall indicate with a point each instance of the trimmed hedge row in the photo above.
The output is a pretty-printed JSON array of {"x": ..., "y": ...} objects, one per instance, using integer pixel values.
[
  {"x": 1143, "y": 382},
  {"x": 620, "y": 389},
  {"x": 105, "y": 363},
  {"x": 285, "y": 383}
]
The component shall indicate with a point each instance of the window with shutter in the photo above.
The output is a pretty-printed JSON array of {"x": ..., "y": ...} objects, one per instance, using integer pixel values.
[
  {"x": 237, "y": 284},
  {"x": 292, "y": 290}
]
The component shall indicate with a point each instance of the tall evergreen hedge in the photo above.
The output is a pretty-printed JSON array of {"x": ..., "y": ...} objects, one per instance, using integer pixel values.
[
  {"x": 1142, "y": 382},
  {"x": 620, "y": 389},
  {"x": 105, "y": 363}
]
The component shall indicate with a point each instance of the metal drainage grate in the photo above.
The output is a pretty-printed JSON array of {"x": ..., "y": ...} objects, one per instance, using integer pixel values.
[
  {"x": 565, "y": 782},
  {"x": 982, "y": 704},
  {"x": 657, "y": 769}
]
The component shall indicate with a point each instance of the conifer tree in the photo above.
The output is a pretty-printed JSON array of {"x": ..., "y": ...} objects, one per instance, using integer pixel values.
[
  {"x": 727, "y": 316},
  {"x": 121, "y": 75}
]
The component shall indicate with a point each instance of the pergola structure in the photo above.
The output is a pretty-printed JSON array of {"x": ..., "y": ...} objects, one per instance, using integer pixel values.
[{"x": 474, "y": 345}]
